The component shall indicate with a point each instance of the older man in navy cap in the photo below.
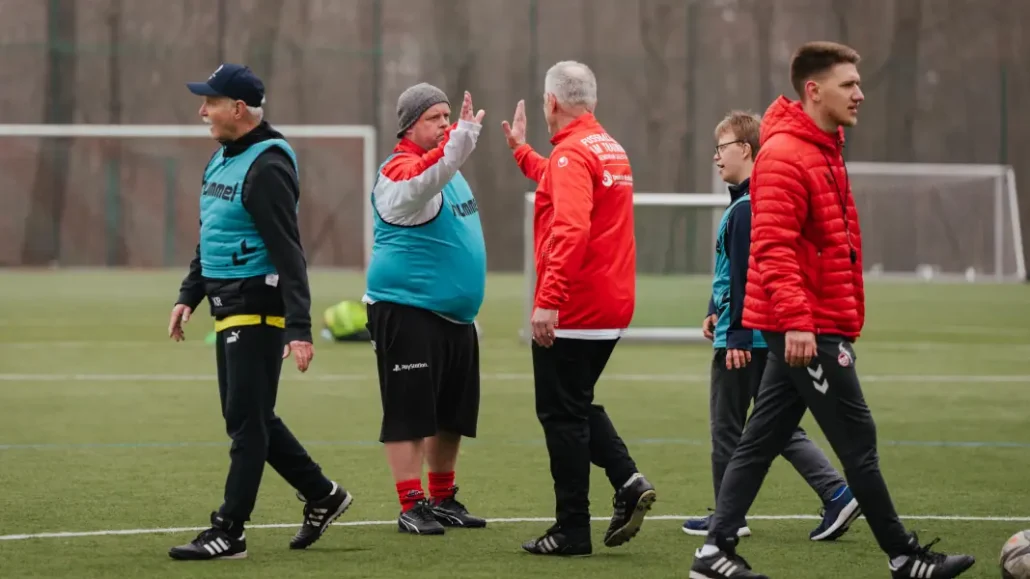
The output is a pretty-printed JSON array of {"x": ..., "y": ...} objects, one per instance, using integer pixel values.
[{"x": 250, "y": 266}]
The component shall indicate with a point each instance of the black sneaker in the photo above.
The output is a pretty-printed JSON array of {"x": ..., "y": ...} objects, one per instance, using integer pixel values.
[
  {"x": 926, "y": 564},
  {"x": 558, "y": 542},
  {"x": 723, "y": 564},
  {"x": 419, "y": 520},
  {"x": 451, "y": 513},
  {"x": 318, "y": 515},
  {"x": 630, "y": 503},
  {"x": 213, "y": 543}
]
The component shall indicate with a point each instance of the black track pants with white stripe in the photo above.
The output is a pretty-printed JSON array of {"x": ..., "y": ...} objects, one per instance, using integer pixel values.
[
  {"x": 249, "y": 361},
  {"x": 830, "y": 388}
]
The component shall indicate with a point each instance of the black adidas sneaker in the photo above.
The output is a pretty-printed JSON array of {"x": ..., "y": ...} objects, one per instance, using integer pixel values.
[
  {"x": 722, "y": 564},
  {"x": 630, "y": 505},
  {"x": 923, "y": 563},
  {"x": 451, "y": 513},
  {"x": 217, "y": 542},
  {"x": 420, "y": 520},
  {"x": 561, "y": 543},
  {"x": 318, "y": 515}
]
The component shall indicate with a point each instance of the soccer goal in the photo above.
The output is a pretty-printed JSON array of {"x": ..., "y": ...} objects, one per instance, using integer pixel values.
[
  {"x": 938, "y": 222},
  {"x": 675, "y": 235},
  {"x": 127, "y": 194}
]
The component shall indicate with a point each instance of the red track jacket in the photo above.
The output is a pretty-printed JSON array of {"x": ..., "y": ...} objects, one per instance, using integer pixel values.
[{"x": 583, "y": 235}]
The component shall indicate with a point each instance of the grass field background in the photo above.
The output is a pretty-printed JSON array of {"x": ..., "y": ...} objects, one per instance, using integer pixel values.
[{"x": 106, "y": 425}]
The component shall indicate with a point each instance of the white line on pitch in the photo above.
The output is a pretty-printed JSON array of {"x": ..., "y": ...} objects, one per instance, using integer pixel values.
[
  {"x": 111, "y": 532},
  {"x": 907, "y": 378}
]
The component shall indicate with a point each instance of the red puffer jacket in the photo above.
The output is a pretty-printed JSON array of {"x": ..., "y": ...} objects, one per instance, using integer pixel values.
[{"x": 805, "y": 269}]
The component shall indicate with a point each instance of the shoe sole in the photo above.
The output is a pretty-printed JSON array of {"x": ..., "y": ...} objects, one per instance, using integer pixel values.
[
  {"x": 240, "y": 555},
  {"x": 741, "y": 532},
  {"x": 623, "y": 534},
  {"x": 699, "y": 575},
  {"x": 332, "y": 518},
  {"x": 848, "y": 515},
  {"x": 562, "y": 555}
]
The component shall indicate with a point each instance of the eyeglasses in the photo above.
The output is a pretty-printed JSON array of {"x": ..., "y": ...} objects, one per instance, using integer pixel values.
[{"x": 722, "y": 146}]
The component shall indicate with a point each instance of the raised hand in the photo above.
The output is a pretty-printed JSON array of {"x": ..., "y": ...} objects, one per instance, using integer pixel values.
[
  {"x": 466, "y": 111},
  {"x": 516, "y": 131}
]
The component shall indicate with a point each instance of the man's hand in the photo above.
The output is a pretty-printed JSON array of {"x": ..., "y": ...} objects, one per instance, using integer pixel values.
[
  {"x": 466, "y": 111},
  {"x": 737, "y": 359},
  {"x": 516, "y": 131},
  {"x": 708, "y": 326},
  {"x": 303, "y": 353},
  {"x": 180, "y": 315},
  {"x": 543, "y": 322},
  {"x": 801, "y": 348}
]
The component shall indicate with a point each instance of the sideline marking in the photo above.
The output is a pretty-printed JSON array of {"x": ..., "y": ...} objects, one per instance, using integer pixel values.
[{"x": 68, "y": 535}]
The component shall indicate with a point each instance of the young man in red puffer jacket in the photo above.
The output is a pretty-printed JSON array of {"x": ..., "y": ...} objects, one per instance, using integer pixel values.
[{"x": 805, "y": 293}]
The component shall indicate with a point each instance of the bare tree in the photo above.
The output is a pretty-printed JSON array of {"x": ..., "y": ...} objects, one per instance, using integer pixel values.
[
  {"x": 763, "y": 13},
  {"x": 117, "y": 251},
  {"x": 902, "y": 83},
  {"x": 656, "y": 26},
  {"x": 264, "y": 38},
  {"x": 42, "y": 243}
]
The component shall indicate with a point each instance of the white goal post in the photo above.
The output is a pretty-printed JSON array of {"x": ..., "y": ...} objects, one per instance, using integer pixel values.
[
  {"x": 366, "y": 133},
  {"x": 716, "y": 202},
  {"x": 943, "y": 222}
]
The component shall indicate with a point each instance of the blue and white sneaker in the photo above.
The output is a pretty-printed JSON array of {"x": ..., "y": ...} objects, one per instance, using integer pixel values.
[
  {"x": 699, "y": 527},
  {"x": 838, "y": 514}
]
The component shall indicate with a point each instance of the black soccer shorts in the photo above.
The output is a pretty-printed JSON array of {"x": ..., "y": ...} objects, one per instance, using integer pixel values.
[{"x": 428, "y": 372}]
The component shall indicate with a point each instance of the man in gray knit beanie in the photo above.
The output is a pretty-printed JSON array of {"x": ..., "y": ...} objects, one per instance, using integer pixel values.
[
  {"x": 425, "y": 284},
  {"x": 414, "y": 101}
]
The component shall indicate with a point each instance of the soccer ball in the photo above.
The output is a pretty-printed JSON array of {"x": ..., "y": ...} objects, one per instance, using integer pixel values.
[{"x": 1015, "y": 557}]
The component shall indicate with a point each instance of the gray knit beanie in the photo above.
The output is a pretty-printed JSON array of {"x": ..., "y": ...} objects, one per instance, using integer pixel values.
[{"x": 413, "y": 102}]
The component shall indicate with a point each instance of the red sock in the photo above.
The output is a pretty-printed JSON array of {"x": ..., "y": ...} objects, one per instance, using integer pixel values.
[
  {"x": 410, "y": 493},
  {"x": 441, "y": 485}
]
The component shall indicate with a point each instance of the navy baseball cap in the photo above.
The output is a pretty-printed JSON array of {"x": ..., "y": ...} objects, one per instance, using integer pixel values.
[{"x": 234, "y": 81}]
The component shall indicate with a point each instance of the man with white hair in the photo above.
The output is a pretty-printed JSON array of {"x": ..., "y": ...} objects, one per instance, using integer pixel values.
[
  {"x": 585, "y": 253},
  {"x": 250, "y": 266}
]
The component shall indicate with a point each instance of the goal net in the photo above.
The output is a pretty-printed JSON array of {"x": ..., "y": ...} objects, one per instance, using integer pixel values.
[
  {"x": 675, "y": 235},
  {"x": 127, "y": 195},
  {"x": 938, "y": 222}
]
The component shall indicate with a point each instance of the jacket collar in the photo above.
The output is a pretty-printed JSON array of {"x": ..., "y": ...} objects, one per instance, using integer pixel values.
[
  {"x": 406, "y": 145},
  {"x": 262, "y": 132},
  {"x": 583, "y": 122},
  {"x": 738, "y": 191},
  {"x": 787, "y": 116}
]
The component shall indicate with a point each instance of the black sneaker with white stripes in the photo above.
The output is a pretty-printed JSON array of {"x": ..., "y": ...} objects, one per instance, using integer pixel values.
[
  {"x": 318, "y": 515},
  {"x": 923, "y": 563},
  {"x": 630, "y": 505},
  {"x": 217, "y": 542},
  {"x": 561, "y": 543},
  {"x": 420, "y": 520},
  {"x": 451, "y": 513},
  {"x": 724, "y": 563}
]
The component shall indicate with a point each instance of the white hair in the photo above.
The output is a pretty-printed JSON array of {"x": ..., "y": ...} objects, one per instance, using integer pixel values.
[
  {"x": 258, "y": 112},
  {"x": 573, "y": 84}
]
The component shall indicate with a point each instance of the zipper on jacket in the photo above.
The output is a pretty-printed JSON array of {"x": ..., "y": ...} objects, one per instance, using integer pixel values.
[{"x": 842, "y": 198}]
